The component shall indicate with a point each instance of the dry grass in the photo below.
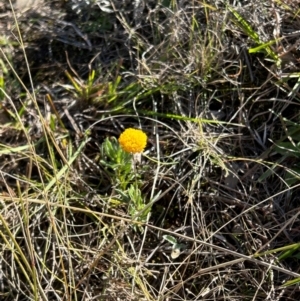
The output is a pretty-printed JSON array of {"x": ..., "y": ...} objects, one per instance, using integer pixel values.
[{"x": 210, "y": 211}]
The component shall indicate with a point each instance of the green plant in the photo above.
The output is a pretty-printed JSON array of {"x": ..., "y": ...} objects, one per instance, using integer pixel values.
[
  {"x": 176, "y": 247},
  {"x": 288, "y": 147},
  {"x": 89, "y": 91},
  {"x": 251, "y": 33},
  {"x": 127, "y": 182}
]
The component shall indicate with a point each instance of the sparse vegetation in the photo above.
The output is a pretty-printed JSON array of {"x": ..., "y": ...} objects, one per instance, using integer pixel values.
[{"x": 209, "y": 210}]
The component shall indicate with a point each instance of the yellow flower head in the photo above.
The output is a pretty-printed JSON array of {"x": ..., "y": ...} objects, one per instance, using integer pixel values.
[{"x": 133, "y": 140}]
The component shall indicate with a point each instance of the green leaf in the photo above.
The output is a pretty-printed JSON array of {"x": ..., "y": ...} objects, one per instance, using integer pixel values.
[
  {"x": 171, "y": 239},
  {"x": 248, "y": 30},
  {"x": 262, "y": 46},
  {"x": 245, "y": 26},
  {"x": 291, "y": 282},
  {"x": 287, "y": 148},
  {"x": 288, "y": 253}
]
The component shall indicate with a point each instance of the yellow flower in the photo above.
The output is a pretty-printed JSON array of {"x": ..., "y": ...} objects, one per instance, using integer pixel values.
[{"x": 133, "y": 140}]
